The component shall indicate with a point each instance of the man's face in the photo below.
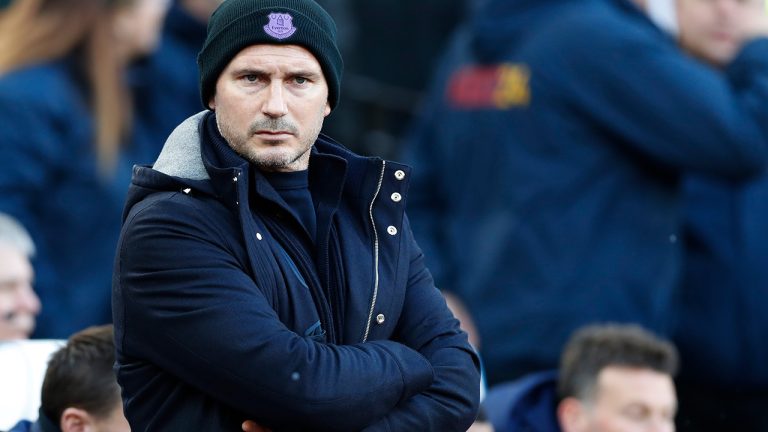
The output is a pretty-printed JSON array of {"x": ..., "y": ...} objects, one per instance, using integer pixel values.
[
  {"x": 18, "y": 303},
  {"x": 628, "y": 400},
  {"x": 714, "y": 30},
  {"x": 270, "y": 103}
]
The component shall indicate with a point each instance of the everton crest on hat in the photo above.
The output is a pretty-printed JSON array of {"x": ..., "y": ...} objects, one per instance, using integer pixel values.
[{"x": 280, "y": 25}]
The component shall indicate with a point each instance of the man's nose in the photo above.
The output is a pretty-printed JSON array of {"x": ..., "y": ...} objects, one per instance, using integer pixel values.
[{"x": 275, "y": 105}]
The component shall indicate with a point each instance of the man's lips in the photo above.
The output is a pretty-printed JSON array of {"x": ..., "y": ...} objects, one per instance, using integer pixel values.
[
  {"x": 723, "y": 36},
  {"x": 273, "y": 134}
]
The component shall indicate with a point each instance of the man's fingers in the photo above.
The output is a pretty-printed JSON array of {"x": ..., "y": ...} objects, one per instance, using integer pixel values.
[{"x": 251, "y": 426}]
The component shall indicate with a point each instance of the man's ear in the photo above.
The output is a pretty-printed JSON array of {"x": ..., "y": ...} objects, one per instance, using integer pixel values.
[
  {"x": 327, "y": 109},
  {"x": 212, "y": 103},
  {"x": 571, "y": 415},
  {"x": 75, "y": 420}
]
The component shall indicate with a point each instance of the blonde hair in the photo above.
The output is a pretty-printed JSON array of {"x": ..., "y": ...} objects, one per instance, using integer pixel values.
[{"x": 38, "y": 31}]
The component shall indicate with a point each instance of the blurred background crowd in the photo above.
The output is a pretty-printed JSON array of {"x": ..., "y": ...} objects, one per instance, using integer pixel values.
[{"x": 575, "y": 162}]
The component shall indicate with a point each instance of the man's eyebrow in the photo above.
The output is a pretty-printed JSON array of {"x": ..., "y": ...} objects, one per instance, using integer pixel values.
[
  {"x": 248, "y": 71},
  {"x": 305, "y": 73},
  {"x": 308, "y": 73}
]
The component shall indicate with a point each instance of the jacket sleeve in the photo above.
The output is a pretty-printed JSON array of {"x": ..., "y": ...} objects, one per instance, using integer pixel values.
[
  {"x": 428, "y": 326},
  {"x": 666, "y": 105},
  {"x": 188, "y": 307}
]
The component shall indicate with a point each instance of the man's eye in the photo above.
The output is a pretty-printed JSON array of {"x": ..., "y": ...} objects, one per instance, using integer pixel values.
[
  {"x": 251, "y": 78},
  {"x": 637, "y": 413},
  {"x": 301, "y": 80}
]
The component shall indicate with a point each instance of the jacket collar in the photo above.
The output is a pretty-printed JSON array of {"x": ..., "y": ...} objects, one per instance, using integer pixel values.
[
  {"x": 187, "y": 164},
  {"x": 189, "y": 154}
]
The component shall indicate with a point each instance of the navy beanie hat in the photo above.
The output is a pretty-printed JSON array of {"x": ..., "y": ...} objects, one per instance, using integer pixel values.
[{"x": 237, "y": 24}]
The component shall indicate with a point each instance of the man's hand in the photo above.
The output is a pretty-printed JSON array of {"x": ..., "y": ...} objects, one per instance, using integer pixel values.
[
  {"x": 481, "y": 427},
  {"x": 465, "y": 319},
  {"x": 251, "y": 426}
]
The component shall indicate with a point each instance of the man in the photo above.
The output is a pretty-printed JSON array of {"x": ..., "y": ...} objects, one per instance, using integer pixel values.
[
  {"x": 19, "y": 305},
  {"x": 548, "y": 164},
  {"x": 617, "y": 379},
  {"x": 612, "y": 378},
  {"x": 724, "y": 384},
  {"x": 23, "y": 361},
  {"x": 267, "y": 274},
  {"x": 80, "y": 393},
  {"x": 715, "y": 31}
]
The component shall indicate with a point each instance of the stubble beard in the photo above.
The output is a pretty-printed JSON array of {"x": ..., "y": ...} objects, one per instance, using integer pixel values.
[{"x": 268, "y": 160}]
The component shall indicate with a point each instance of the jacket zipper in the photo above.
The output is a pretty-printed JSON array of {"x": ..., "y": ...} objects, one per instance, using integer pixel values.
[{"x": 375, "y": 253}]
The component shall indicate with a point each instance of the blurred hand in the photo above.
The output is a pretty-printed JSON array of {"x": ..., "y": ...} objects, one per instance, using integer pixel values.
[
  {"x": 481, "y": 427},
  {"x": 465, "y": 319},
  {"x": 251, "y": 426}
]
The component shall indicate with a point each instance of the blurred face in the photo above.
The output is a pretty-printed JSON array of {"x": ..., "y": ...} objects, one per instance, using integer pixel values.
[
  {"x": 138, "y": 26},
  {"x": 714, "y": 30},
  {"x": 626, "y": 400},
  {"x": 201, "y": 9},
  {"x": 18, "y": 303},
  {"x": 270, "y": 103}
]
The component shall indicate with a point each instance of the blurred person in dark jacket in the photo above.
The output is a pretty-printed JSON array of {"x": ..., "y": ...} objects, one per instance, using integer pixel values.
[
  {"x": 266, "y": 273},
  {"x": 721, "y": 321},
  {"x": 548, "y": 164},
  {"x": 65, "y": 158}
]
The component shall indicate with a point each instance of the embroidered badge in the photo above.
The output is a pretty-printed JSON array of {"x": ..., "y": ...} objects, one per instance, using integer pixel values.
[{"x": 280, "y": 25}]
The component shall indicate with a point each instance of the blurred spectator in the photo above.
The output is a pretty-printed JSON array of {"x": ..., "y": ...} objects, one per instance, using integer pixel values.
[
  {"x": 616, "y": 379},
  {"x": 21, "y": 362},
  {"x": 722, "y": 329},
  {"x": 65, "y": 118},
  {"x": 546, "y": 188},
  {"x": 612, "y": 378},
  {"x": 80, "y": 392},
  {"x": 19, "y": 305},
  {"x": 168, "y": 92}
]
